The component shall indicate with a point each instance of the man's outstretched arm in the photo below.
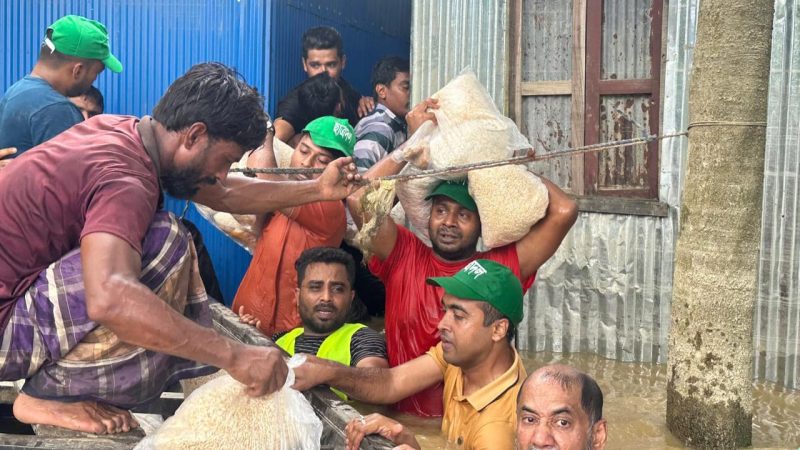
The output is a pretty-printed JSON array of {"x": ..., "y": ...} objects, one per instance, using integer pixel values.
[
  {"x": 244, "y": 195},
  {"x": 371, "y": 385},
  {"x": 545, "y": 236}
]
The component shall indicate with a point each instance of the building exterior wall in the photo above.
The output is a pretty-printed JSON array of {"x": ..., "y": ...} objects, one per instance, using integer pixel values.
[{"x": 777, "y": 319}]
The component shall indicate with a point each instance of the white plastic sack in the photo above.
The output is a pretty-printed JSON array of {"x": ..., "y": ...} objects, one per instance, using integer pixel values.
[
  {"x": 470, "y": 130},
  {"x": 510, "y": 200},
  {"x": 219, "y": 415}
]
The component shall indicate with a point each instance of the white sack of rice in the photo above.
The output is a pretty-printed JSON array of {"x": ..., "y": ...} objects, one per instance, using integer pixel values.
[
  {"x": 471, "y": 129},
  {"x": 219, "y": 415},
  {"x": 510, "y": 201},
  {"x": 240, "y": 227}
]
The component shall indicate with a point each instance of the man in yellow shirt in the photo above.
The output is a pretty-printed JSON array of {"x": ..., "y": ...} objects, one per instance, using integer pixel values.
[{"x": 482, "y": 371}]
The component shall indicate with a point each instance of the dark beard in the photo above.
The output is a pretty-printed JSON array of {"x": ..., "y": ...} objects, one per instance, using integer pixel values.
[
  {"x": 184, "y": 183},
  {"x": 455, "y": 255},
  {"x": 311, "y": 324}
]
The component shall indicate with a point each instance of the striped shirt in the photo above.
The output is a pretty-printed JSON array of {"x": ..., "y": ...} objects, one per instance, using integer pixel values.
[
  {"x": 377, "y": 135},
  {"x": 365, "y": 343}
]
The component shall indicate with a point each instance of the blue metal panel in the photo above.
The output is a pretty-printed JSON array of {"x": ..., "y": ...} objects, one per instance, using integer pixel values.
[
  {"x": 370, "y": 30},
  {"x": 157, "y": 41}
]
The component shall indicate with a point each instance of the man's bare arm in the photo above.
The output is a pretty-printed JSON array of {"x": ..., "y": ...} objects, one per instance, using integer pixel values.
[
  {"x": 371, "y": 385},
  {"x": 386, "y": 237},
  {"x": 244, "y": 195},
  {"x": 284, "y": 130},
  {"x": 116, "y": 299},
  {"x": 543, "y": 240}
]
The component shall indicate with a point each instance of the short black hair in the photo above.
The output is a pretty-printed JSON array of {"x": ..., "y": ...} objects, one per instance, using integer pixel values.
[
  {"x": 591, "y": 394},
  {"x": 320, "y": 95},
  {"x": 325, "y": 255},
  {"x": 96, "y": 96},
  {"x": 386, "y": 69},
  {"x": 491, "y": 315},
  {"x": 322, "y": 38},
  {"x": 217, "y": 96}
]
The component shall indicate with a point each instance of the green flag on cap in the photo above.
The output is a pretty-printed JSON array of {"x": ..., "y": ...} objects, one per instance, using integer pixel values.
[
  {"x": 84, "y": 38},
  {"x": 487, "y": 281},
  {"x": 457, "y": 191},
  {"x": 333, "y": 133}
]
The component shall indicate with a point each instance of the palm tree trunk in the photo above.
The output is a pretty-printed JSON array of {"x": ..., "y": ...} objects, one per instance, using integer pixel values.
[{"x": 709, "y": 391}]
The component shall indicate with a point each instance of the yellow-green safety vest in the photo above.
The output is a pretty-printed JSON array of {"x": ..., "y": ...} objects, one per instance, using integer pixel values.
[{"x": 335, "y": 347}]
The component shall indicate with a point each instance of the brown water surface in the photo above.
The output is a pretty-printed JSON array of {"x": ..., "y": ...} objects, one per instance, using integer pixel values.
[{"x": 635, "y": 404}]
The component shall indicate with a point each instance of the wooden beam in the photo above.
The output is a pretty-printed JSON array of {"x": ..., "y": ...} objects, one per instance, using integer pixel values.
[
  {"x": 629, "y": 87},
  {"x": 622, "y": 206},
  {"x": 532, "y": 88},
  {"x": 578, "y": 99},
  {"x": 515, "y": 64}
]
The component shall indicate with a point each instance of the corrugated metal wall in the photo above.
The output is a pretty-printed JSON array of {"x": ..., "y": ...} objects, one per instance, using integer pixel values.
[
  {"x": 608, "y": 288},
  {"x": 449, "y": 36},
  {"x": 158, "y": 40},
  {"x": 370, "y": 30},
  {"x": 777, "y": 326}
]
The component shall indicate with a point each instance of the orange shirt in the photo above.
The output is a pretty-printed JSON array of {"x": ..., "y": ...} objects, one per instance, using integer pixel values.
[
  {"x": 487, "y": 418},
  {"x": 268, "y": 288}
]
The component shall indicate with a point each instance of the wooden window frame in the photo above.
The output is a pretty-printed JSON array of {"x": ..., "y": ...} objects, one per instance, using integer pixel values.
[{"x": 586, "y": 90}]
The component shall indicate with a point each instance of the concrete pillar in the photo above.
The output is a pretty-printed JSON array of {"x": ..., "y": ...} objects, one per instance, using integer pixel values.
[{"x": 709, "y": 391}]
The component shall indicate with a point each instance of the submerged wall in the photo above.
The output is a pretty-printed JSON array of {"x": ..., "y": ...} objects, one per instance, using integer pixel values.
[{"x": 777, "y": 320}]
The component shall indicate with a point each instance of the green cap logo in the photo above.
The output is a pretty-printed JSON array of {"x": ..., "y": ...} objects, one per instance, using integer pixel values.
[
  {"x": 333, "y": 133},
  {"x": 457, "y": 191},
  {"x": 487, "y": 281},
  {"x": 84, "y": 38}
]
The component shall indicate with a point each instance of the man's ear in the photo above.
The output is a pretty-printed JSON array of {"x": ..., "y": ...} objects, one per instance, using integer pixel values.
[
  {"x": 380, "y": 91},
  {"x": 499, "y": 330},
  {"x": 344, "y": 62},
  {"x": 599, "y": 435},
  {"x": 305, "y": 66},
  {"x": 77, "y": 70},
  {"x": 297, "y": 297},
  {"x": 194, "y": 134}
]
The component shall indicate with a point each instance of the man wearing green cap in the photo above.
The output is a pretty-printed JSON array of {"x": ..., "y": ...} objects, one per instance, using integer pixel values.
[
  {"x": 36, "y": 108},
  {"x": 403, "y": 262},
  {"x": 266, "y": 296},
  {"x": 481, "y": 370}
]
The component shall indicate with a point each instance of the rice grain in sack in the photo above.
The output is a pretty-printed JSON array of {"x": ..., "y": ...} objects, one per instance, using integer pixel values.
[
  {"x": 219, "y": 415},
  {"x": 510, "y": 201}
]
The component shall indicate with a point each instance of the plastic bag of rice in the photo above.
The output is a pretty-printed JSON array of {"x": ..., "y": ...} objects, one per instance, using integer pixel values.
[
  {"x": 471, "y": 128},
  {"x": 219, "y": 415},
  {"x": 510, "y": 201}
]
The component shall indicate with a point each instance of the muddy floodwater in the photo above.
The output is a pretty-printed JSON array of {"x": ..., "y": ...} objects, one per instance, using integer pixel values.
[{"x": 635, "y": 404}]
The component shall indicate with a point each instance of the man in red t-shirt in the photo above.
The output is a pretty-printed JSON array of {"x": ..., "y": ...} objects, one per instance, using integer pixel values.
[
  {"x": 101, "y": 306},
  {"x": 403, "y": 262}
]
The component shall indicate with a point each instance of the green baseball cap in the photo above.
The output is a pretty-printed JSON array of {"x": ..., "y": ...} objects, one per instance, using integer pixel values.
[
  {"x": 456, "y": 190},
  {"x": 486, "y": 281},
  {"x": 333, "y": 133},
  {"x": 84, "y": 38}
]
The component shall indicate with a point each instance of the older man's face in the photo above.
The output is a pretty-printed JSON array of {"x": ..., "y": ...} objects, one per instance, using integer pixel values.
[{"x": 551, "y": 417}]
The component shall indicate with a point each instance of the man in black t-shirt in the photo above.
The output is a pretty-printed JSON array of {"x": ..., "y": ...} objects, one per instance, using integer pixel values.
[{"x": 323, "y": 51}]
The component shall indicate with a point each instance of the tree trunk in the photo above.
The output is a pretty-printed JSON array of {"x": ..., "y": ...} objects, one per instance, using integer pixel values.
[{"x": 709, "y": 391}]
